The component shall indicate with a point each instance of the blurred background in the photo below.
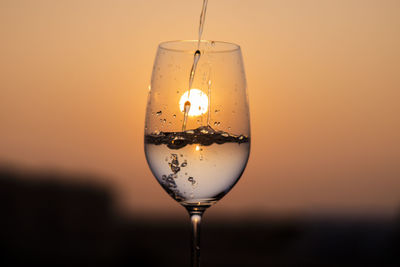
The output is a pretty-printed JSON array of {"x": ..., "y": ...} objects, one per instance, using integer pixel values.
[{"x": 322, "y": 184}]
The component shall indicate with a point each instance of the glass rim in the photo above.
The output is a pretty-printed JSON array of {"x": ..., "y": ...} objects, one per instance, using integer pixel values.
[{"x": 226, "y": 46}]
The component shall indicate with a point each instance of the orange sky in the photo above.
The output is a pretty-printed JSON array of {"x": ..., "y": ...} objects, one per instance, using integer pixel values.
[{"x": 323, "y": 81}]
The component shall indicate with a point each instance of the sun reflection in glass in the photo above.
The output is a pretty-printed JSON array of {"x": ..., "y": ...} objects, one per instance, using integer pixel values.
[{"x": 198, "y": 101}]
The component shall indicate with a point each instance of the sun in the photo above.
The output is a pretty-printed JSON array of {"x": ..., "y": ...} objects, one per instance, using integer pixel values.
[{"x": 198, "y": 101}]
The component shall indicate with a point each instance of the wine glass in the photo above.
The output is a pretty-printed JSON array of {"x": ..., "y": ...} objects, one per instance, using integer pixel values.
[{"x": 197, "y": 141}]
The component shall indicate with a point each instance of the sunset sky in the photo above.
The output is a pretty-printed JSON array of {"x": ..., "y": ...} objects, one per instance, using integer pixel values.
[{"x": 323, "y": 81}]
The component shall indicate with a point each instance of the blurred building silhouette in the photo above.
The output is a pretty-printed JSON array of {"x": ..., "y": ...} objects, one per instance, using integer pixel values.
[{"x": 50, "y": 221}]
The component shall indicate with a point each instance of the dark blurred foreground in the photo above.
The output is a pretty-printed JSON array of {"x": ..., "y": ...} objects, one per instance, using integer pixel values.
[{"x": 48, "y": 222}]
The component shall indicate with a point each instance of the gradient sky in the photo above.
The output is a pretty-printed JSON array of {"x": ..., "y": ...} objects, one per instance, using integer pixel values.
[{"x": 323, "y": 81}]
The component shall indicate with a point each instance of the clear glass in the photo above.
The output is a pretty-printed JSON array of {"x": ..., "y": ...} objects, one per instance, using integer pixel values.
[{"x": 197, "y": 164}]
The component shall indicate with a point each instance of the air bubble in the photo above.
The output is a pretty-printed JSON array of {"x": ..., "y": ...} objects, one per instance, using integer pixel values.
[
  {"x": 174, "y": 164},
  {"x": 192, "y": 180}
]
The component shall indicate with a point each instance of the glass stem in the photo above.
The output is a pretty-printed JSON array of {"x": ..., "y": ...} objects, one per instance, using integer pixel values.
[{"x": 195, "y": 218}]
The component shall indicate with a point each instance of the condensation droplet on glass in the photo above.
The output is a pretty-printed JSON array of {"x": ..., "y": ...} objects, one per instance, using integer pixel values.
[
  {"x": 159, "y": 113},
  {"x": 216, "y": 111},
  {"x": 174, "y": 116},
  {"x": 212, "y": 43},
  {"x": 217, "y": 123}
]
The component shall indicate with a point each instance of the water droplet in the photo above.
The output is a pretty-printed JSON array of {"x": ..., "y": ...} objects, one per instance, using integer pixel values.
[
  {"x": 212, "y": 43},
  {"x": 187, "y": 106},
  {"x": 184, "y": 164},
  {"x": 159, "y": 113},
  {"x": 174, "y": 116},
  {"x": 217, "y": 110},
  {"x": 217, "y": 123}
]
